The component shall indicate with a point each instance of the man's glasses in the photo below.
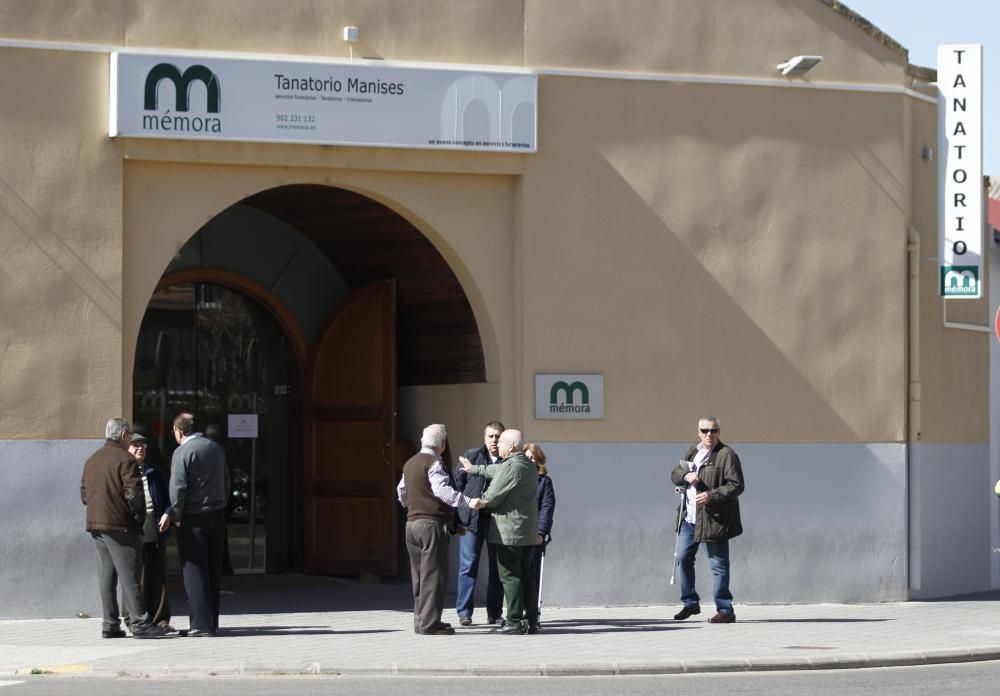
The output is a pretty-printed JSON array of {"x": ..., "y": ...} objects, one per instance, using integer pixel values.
[{"x": 706, "y": 431}]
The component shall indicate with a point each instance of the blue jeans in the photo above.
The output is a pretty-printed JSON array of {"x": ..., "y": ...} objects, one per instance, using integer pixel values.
[
  {"x": 470, "y": 549},
  {"x": 718, "y": 562}
]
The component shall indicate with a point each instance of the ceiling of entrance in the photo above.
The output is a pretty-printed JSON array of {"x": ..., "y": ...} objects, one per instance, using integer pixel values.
[{"x": 438, "y": 338}]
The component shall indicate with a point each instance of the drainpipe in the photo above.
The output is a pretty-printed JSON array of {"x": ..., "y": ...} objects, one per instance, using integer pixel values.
[
  {"x": 913, "y": 294},
  {"x": 913, "y": 414}
]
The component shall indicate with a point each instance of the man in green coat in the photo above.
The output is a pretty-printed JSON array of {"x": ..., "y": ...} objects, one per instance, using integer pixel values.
[{"x": 512, "y": 500}]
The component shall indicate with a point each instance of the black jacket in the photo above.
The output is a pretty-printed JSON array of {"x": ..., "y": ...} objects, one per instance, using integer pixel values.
[
  {"x": 546, "y": 506},
  {"x": 473, "y": 486}
]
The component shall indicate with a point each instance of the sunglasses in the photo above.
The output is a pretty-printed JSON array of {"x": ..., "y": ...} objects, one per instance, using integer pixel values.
[{"x": 706, "y": 431}]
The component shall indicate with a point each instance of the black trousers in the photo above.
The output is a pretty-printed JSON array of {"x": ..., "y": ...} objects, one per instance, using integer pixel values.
[
  {"x": 153, "y": 583},
  {"x": 200, "y": 544}
]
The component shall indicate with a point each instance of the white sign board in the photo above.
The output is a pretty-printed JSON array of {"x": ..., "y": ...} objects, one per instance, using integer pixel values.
[
  {"x": 960, "y": 170},
  {"x": 569, "y": 397},
  {"x": 242, "y": 425},
  {"x": 251, "y": 99}
]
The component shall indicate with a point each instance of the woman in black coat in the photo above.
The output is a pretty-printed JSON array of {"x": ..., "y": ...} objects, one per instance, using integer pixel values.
[{"x": 546, "y": 509}]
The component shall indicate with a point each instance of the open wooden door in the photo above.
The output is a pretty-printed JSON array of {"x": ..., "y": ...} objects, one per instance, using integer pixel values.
[{"x": 349, "y": 487}]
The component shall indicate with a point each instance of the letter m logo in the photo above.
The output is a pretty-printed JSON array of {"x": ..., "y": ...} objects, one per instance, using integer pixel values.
[
  {"x": 959, "y": 281},
  {"x": 182, "y": 86},
  {"x": 568, "y": 391}
]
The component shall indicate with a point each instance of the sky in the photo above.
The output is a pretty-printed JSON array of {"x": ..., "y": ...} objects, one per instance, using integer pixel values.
[{"x": 921, "y": 26}]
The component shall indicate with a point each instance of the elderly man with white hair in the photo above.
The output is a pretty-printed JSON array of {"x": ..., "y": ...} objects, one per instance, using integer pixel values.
[
  {"x": 111, "y": 488},
  {"x": 427, "y": 491}
]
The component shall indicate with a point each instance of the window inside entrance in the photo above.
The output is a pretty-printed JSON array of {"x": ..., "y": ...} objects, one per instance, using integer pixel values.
[{"x": 220, "y": 354}]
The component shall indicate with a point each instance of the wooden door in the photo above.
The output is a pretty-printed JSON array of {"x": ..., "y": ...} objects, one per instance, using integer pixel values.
[{"x": 349, "y": 484}]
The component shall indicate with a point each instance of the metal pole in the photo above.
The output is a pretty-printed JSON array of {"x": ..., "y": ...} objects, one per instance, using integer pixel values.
[
  {"x": 677, "y": 536},
  {"x": 253, "y": 491}
]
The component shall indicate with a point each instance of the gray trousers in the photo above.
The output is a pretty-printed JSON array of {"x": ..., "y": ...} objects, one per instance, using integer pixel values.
[
  {"x": 427, "y": 544},
  {"x": 119, "y": 558}
]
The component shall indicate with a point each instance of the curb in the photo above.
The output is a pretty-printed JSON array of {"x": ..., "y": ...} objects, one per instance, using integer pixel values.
[{"x": 665, "y": 667}]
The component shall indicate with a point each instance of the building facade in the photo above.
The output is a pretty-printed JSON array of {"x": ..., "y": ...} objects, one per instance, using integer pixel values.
[{"x": 704, "y": 234}]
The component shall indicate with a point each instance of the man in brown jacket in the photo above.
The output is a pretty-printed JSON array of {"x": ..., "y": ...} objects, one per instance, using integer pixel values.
[
  {"x": 111, "y": 488},
  {"x": 427, "y": 491}
]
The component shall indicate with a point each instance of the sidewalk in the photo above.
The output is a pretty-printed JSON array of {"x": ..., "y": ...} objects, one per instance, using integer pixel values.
[{"x": 324, "y": 626}]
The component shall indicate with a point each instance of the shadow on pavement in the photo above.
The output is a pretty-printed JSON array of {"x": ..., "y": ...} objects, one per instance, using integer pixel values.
[
  {"x": 245, "y": 631},
  {"x": 768, "y": 621},
  {"x": 991, "y": 596},
  {"x": 610, "y": 626},
  {"x": 300, "y": 594}
]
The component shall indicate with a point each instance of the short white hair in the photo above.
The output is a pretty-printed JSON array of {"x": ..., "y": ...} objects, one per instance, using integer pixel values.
[
  {"x": 114, "y": 429},
  {"x": 711, "y": 419},
  {"x": 434, "y": 436}
]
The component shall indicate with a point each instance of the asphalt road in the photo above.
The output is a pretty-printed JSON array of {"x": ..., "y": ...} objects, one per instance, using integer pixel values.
[{"x": 970, "y": 679}]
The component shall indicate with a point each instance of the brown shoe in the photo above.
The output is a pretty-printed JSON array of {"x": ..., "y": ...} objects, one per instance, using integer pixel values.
[{"x": 723, "y": 617}]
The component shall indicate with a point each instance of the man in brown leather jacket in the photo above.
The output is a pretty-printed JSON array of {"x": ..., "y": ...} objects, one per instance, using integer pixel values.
[
  {"x": 711, "y": 476},
  {"x": 111, "y": 488}
]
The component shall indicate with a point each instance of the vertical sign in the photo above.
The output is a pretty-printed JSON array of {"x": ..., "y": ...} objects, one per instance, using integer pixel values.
[{"x": 960, "y": 170}]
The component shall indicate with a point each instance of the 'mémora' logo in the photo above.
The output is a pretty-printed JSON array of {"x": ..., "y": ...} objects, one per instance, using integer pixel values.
[
  {"x": 959, "y": 281},
  {"x": 182, "y": 121},
  {"x": 568, "y": 402}
]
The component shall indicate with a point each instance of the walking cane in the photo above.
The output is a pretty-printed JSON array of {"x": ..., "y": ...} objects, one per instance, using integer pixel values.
[
  {"x": 541, "y": 579},
  {"x": 677, "y": 537}
]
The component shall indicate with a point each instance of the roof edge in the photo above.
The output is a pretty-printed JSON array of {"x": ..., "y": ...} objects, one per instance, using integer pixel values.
[{"x": 872, "y": 30}]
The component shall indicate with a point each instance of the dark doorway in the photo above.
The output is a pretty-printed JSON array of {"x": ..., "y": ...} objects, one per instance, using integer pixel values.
[
  {"x": 293, "y": 269},
  {"x": 217, "y": 352}
]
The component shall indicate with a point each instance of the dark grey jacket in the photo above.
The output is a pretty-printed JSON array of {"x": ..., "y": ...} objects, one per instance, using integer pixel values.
[
  {"x": 722, "y": 477},
  {"x": 199, "y": 479}
]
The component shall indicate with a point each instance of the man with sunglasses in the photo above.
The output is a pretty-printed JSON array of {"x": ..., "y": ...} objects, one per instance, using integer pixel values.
[{"x": 711, "y": 477}]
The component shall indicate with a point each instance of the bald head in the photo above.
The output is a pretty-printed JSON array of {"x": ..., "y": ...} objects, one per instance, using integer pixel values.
[{"x": 510, "y": 441}]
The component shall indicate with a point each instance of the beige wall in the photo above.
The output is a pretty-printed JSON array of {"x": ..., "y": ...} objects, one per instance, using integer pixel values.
[
  {"x": 707, "y": 37},
  {"x": 60, "y": 231},
  {"x": 747, "y": 259},
  {"x": 954, "y": 363},
  {"x": 657, "y": 222}
]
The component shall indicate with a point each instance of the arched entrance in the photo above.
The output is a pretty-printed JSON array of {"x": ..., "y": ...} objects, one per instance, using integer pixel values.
[{"x": 357, "y": 303}]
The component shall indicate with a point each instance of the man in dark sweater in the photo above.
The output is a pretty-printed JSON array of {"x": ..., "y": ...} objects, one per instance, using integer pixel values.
[
  {"x": 428, "y": 493},
  {"x": 199, "y": 489}
]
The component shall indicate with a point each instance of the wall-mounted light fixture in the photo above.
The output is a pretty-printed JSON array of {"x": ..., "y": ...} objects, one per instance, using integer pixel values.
[
  {"x": 799, "y": 65},
  {"x": 927, "y": 153},
  {"x": 351, "y": 34}
]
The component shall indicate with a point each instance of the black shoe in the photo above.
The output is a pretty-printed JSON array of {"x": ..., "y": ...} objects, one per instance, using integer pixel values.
[
  {"x": 511, "y": 629},
  {"x": 113, "y": 633},
  {"x": 150, "y": 632},
  {"x": 686, "y": 612},
  {"x": 534, "y": 628},
  {"x": 197, "y": 633},
  {"x": 723, "y": 617},
  {"x": 441, "y": 630},
  {"x": 465, "y": 620},
  {"x": 490, "y": 619}
]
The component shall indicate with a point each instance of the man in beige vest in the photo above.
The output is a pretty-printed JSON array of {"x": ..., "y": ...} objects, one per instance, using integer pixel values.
[{"x": 427, "y": 491}]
